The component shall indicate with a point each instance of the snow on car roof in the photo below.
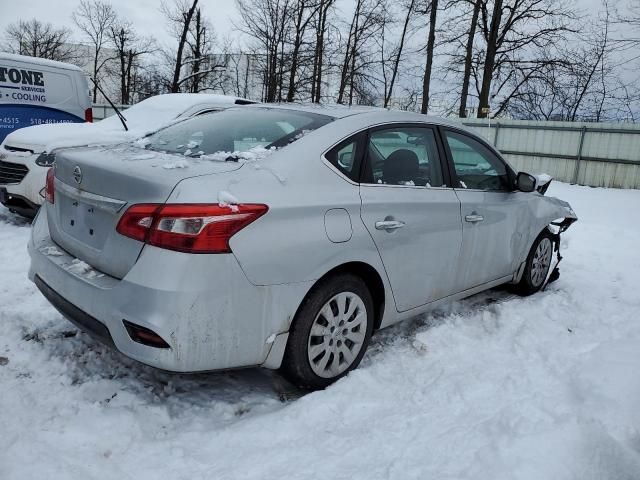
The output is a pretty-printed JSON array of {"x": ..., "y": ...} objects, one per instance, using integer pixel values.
[
  {"x": 142, "y": 118},
  {"x": 184, "y": 101},
  {"x": 155, "y": 112},
  {"x": 38, "y": 61}
]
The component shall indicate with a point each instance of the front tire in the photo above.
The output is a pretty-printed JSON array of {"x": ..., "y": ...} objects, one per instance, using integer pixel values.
[
  {"x": 330, "y": 333},
  {"x": 538, "y": 263}
]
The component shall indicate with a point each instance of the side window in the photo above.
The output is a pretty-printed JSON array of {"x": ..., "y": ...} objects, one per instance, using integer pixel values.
[
  {"x": 403, "y": 156},
  {"x": 346, "y": 157},
  {"x": 477, "y": 167}
]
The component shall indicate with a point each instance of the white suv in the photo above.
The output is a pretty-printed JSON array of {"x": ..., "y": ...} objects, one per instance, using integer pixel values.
[{"x": 26, "y": 154}]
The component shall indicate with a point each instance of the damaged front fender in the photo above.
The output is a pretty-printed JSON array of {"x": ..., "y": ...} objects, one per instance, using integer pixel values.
[
  {"x": 553, "y": 211},
  {"x": 552, "y": 214}
]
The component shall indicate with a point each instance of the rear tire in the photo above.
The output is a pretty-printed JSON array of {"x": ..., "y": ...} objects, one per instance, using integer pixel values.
[
  {"x": 537, "y": 265},
  {"x": 330, "y": 333}
]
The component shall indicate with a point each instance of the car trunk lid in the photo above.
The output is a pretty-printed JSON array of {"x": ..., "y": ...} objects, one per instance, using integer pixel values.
[{"x": 94, "y": 187}]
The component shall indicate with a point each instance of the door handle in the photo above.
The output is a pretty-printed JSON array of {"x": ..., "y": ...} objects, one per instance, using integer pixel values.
[
  {"x": 389, "y": 225},
  {"x": 474, "y": 217}
]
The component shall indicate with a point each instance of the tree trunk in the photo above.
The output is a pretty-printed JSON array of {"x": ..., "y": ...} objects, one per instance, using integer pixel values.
[
  {"x": 175, "y": 83},
  {"x": 352, "y": 70},
  {"x": 197, "y": 53},
  {"x": 95, "y": 77},
  {"x": 123, "y": 80},
  {"x": 317, "y": 53},
  {"x": 344, "y": 74},
  {"x": 127, "y": 92},
  {"x": 396, "y": 62},
  {"x": 426, "y": 83},
  {"x": 489, "y": 62},
  {"x": 245, "y": 92},
  {"x": 320, "y": 51},
  {"x": 468, "y": 59},
  {"x": 281, "y": 66},
  {"x": 291, "y": 93}
]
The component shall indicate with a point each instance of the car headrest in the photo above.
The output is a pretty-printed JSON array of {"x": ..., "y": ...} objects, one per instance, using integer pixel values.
[{"x": 400, "y": 167}]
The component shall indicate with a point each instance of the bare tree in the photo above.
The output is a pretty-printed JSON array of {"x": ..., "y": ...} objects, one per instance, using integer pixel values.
[
  {"x": 367, "y": 21},
  {"x": 200, "y": 61},
  {"x": 238, "y": 78},
  {"x": 303, "y": 12},
  {"x": 397, "y": 52},
  {"x": 37, "y": 39},
  {"x": 180, "y": 15},
  {"x": 431, "y": 41},
  {"x": 468, "y": 57},
  {"x": 129, "y": 50},
  {"x": 95, "y": 19},
  {"x": 579, "y": 82},
  {"x": 513, "y": 30},
  {"x": 151, "y": 81},
  {"x": 631, "y": 18},
  {"x": 268, "y": 22},
  {"x": 319, "y": 50}
]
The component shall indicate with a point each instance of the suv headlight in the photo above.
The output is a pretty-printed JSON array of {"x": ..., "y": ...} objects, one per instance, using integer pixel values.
[{"x": 46, "y": 159}]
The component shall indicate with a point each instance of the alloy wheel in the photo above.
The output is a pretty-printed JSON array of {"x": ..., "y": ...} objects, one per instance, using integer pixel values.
[{"x": 541, "y": 262}]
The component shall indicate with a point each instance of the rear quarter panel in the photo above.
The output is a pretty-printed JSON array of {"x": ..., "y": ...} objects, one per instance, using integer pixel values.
[{"x": 289, "y": 244}]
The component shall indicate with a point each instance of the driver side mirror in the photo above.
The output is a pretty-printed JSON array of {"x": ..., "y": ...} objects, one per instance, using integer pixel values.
[{"x": 525, "y": 182}]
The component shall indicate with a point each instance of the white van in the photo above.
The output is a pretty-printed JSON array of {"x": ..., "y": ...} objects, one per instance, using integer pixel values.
[{"x": 35, "y": 91}]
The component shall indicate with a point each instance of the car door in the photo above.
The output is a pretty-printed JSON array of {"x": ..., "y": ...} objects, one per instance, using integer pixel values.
[
  {"x": 410, "y": 212},
  {"x": 489, "y": 209}
]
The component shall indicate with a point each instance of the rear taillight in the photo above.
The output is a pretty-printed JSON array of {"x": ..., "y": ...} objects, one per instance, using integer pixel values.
[
  {"x": 137, "y": 220},
  {"x": 88, "y": 115},
  {"x": 191, "y": 228},
  {"x": 49, "y": 186}
]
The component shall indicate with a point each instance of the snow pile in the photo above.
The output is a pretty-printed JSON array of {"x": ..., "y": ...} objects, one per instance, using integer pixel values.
[
  {"x": 80, "y": 268},
  {"x": 52, "y": 251},
  {"x": 251, "y": 155},
  {"x": 180, "y": 163},
  {"x": 543, "y": 178},
  {"x": 226, "y": 199},
  {"x": 494, "y": 387}
]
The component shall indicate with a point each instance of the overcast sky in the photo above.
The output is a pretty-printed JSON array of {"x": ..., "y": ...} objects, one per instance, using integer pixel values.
[{"x": 146, "y": 16}]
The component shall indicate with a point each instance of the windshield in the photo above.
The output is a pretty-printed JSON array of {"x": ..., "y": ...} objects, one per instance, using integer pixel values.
[{"x": 235, "y": 131}]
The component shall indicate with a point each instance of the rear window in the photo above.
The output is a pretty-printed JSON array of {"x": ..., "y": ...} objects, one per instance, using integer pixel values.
[{"x": 235, "y": 131}]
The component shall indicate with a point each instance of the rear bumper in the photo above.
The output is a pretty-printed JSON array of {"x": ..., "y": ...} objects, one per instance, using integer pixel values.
[
  {"x": 203, "y": 306},
  {"x": 80, "y": 319}
]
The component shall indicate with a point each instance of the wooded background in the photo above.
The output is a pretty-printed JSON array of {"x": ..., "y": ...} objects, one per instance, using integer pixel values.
[{"x": 523, "y": 59}]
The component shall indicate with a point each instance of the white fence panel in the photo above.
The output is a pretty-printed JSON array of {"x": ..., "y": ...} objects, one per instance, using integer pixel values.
[{"x": 595, "y": 154}]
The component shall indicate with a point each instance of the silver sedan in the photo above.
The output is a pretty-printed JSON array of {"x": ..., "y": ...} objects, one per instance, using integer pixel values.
[{"x": 284, "y": 236}]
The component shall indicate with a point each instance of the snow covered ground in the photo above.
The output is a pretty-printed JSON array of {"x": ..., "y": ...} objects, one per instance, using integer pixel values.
[{"x": 494, "y": 387}]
